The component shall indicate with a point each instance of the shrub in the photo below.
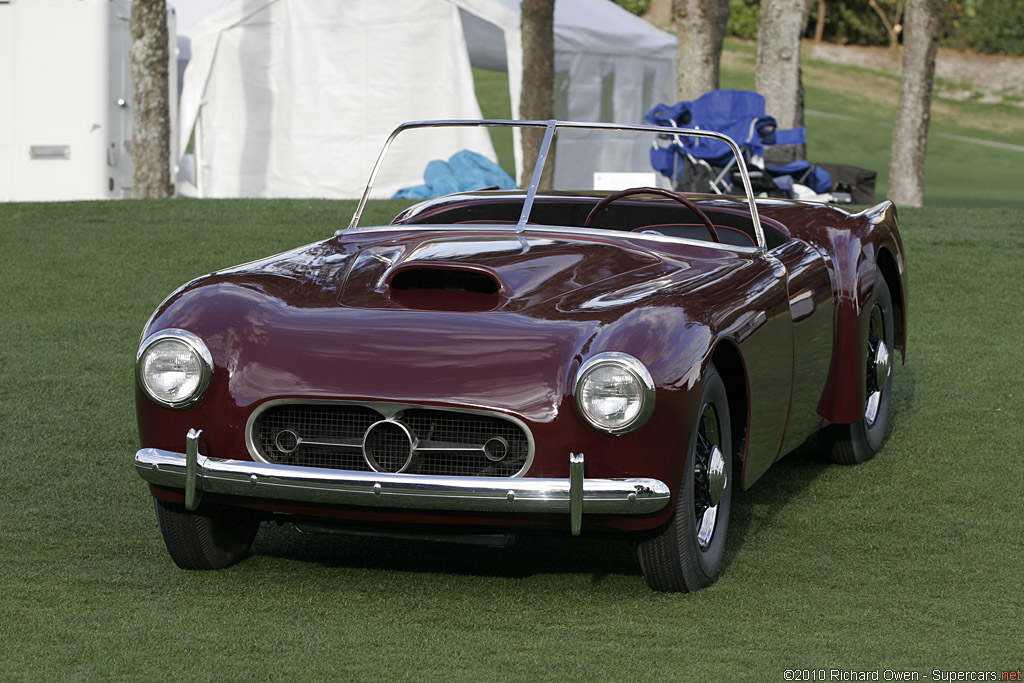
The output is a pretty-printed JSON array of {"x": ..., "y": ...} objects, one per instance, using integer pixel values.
[
  {"x": 744, "y": 16},
  {"x": 989, "y": 26}
]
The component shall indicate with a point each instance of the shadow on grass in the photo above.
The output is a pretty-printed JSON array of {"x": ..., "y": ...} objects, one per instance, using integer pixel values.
[
  {"x": 534, "y": 555},
  {"x": 904, "y": 397},
  {"x": 527, "y": 556},
  {"x": 753, "y": 511},
  {"x": 757, "y": 508}
]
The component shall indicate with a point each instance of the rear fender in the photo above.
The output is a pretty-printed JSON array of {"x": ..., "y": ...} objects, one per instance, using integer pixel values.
[{"x": 870, "y": 244}]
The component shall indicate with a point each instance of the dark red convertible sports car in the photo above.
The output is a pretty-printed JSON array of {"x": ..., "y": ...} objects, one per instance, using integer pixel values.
[{"x": 500, "y": 362}]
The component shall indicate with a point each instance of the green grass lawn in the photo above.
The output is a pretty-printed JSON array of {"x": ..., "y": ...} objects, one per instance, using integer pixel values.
[
  {"x": 849, "y": 115},
  {"x": 849, "y": 118},
  {"x": 912, "y": 561}
]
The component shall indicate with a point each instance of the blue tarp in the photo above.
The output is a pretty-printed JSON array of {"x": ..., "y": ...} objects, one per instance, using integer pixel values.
[{"x": 463, "y": 172}]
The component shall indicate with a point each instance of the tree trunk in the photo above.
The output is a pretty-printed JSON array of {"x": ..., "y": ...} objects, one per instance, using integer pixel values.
[
  {"x": 151, "y": 124},
  {"x": 893, "y": 26},
  {"x": 778, "y": 67},
  {"x": 537, "y": 100},
  {"x": 659, "y": 13},
  {"x": 700, "y": 30},
  {"x": 819, "y": 26},
  {"x": 910, "y": 129}
]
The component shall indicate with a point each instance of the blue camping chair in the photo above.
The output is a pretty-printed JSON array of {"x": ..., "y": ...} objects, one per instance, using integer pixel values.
[
  {"x": 703, "y": 165},
  {"x": 799, "y": 171}
]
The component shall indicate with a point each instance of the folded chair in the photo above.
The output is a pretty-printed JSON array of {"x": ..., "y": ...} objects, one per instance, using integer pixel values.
[{"x": 703, "y": 165}]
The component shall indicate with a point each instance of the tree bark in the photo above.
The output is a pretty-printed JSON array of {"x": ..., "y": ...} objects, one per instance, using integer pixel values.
[
  {"x": 537, "y": 100},
  {"x": 700, "y": 30},
  {"x": 151, "y": 124},
  {"x": 777, "y": 75},
  {"x": 910, "y": 129},
  {"x": 659, "y": 13}
]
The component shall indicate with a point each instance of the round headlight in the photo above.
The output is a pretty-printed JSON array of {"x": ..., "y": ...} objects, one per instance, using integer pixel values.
[
  {"x": 174, "y": 367},
  {"x": 614, "y": 392}
]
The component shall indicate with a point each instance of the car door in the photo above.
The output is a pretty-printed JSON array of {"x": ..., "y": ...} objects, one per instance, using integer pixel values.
[{"x": 811, "y": 312}]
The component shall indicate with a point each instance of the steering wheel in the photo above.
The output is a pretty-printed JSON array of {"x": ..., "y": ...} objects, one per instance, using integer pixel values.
[{"x": 615, "y": 196}]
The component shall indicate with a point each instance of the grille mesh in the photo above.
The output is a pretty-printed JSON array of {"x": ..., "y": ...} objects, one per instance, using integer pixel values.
[{"x": 448, "y": 443}]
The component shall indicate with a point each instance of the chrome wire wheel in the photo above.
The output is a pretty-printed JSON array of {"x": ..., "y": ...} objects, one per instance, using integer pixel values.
[
  {"x": 709, "y": 478},
  {"x": 879, "y": 368},
  {"x": 686, "y": 553},
  {"x": 851, "y": 444}
]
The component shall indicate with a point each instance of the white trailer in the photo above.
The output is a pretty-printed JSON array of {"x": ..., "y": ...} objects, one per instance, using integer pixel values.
[{"x": 66, "y": 99}]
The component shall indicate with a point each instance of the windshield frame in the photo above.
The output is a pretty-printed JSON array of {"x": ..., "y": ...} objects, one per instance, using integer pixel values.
[{"x": 550, "y": 127}]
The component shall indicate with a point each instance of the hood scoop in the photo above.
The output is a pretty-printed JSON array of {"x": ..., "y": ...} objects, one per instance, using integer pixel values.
[
  {"x": 444, "y": 287},
  {"x": 486, "y": 272}
]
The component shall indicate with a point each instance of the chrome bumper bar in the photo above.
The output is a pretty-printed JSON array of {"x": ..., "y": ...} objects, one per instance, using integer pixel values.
[{"x": 576, "y": 495}]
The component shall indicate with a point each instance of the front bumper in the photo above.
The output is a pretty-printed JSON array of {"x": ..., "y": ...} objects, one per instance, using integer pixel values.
[{"x": 574, "y": 496}]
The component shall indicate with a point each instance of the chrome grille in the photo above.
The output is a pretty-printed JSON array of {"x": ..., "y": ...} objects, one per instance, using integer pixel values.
[
  {"x": 326, "y": 436},
  {"x": 407, "y": 439}
]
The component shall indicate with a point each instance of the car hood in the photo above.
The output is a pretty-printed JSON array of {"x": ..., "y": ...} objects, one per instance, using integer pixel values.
[
  {"x": 489, "y": 271},
  {"x": 497, "y": 320}
]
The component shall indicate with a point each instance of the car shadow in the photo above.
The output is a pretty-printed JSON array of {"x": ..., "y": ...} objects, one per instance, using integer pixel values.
[
  {"x": 600, "y": 558},
  {"x": 904, "y": 397},
  {"x": 758, "y": 507},
  {"x": 527, "y": 556},
  {"x": 524, "y": 557}
]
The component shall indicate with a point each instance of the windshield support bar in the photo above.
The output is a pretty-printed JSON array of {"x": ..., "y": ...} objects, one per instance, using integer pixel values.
[{"x": 538, "y": 169}]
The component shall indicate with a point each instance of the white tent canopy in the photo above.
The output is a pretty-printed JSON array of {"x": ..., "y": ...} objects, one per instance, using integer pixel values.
[{"x": 294, "y": 98}]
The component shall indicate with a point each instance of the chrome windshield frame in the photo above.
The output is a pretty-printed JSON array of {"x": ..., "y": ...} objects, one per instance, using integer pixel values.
[{"x": 550, "y": 128}]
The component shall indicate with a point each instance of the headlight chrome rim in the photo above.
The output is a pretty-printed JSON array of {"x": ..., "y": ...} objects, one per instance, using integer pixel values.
[
  {"x": 195, "y": 345},
  {"x": 639, "y": 373}
]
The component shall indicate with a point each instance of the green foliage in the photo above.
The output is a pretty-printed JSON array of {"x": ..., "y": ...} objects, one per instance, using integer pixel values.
[
  {"x": 743, "y": 19},
  {"x": 852, "y": 22},
  {"x": 635, "y": 6},
  {"x": 856, "y": 24},
  {"x": 989, "y": 26}
]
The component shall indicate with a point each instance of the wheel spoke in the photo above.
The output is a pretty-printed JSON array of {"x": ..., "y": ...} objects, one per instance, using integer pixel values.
[
  {"x": 872, "y": 387},
  {"x": 708, "y": 437},
  {"x": 706, "y": 526}
]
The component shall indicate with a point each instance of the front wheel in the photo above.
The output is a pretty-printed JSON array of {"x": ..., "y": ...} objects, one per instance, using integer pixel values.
[
  {"x": 687, "y": 553},
  {"x": 201, "y": 541},
  {"x": 852, "y": 444}
]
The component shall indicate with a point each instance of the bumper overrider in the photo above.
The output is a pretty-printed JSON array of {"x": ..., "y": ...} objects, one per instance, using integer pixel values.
[{"x": 575, "y": 496}]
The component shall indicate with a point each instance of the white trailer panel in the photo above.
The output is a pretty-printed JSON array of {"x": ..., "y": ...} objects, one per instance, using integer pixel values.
[{"x": 65, "y": 99}]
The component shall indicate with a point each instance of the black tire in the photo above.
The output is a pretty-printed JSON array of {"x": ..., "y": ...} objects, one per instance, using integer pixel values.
[
  {"x": 199, "y": 541},
  {"x": 676, "y": 559},
  {"x": 852, "y": 444}
]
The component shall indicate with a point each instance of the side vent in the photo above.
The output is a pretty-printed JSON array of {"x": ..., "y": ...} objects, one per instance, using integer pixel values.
[{"x": 444, "y": 288}]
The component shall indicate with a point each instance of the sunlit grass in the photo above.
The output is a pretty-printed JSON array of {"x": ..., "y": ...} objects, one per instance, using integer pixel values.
[{"x": 908, "y": 562}]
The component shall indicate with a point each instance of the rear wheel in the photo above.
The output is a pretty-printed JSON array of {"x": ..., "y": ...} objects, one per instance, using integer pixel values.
[
  {"x": 687, "y": 553},
  {"x": 200, "y": 541},
  {"x": 851, "y": 444}
]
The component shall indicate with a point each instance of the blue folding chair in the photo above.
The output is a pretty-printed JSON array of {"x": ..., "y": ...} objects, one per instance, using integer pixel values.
[
  {"x": 799, "y": 171},
  {"x": 705, "y": 165}
]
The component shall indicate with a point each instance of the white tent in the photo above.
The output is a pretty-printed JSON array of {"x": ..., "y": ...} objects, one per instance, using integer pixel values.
[{"x": 294, "y": 98}]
